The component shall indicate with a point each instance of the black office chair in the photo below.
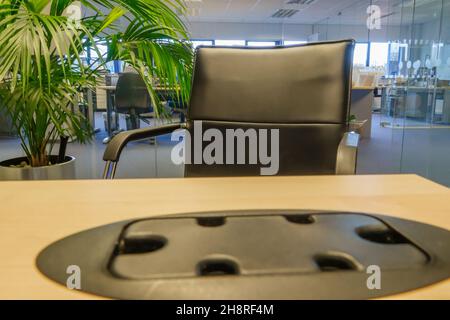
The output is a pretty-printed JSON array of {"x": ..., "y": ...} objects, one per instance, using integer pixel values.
[
  {"x": 132, "y": 99},
  {"x": 304, "y": 91}
]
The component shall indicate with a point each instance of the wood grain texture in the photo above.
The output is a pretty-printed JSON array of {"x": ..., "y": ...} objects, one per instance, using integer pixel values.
[{"x": 35, "y": 214}]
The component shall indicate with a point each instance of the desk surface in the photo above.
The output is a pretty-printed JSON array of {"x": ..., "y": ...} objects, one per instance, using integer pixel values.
[{"x": 34, "y": 214}]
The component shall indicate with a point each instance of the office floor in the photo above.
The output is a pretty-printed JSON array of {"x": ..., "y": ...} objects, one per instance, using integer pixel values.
[
  {"x": 137, "y": 162},
  {"x": 422, "y": 151}
]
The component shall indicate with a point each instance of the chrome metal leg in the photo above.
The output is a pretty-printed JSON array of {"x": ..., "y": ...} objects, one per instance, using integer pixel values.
[
  {"x": 113, "y": 171},
  {"x": 106, "y": 170},
  {"x": 110, "y": 171},
  {"x": 108, "y": 113}
]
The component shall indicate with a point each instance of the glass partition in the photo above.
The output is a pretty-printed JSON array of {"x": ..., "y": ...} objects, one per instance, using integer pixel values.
[
  {"x": 402, "y": 51},
  {"x": 426, "y": 106},
  {"x": 401, "y": 95}
]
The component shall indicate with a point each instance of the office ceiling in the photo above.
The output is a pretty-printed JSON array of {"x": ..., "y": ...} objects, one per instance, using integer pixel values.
[{"x": 351, "y": 12}]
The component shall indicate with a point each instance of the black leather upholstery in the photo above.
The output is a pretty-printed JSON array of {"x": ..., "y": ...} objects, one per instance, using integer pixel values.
[{"x": 304, "y": 91}]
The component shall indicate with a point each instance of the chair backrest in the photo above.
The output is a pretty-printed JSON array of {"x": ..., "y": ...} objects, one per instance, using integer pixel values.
[
  {"x": 131, "y": 93},
  {"x": 303, "y": 91}
]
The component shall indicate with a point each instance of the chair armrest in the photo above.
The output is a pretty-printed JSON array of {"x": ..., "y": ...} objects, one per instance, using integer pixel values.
[
  {"x": 347, "y": 154},
  {"x": 116, "y": 145},
  {"x": 118, "y": 142}
]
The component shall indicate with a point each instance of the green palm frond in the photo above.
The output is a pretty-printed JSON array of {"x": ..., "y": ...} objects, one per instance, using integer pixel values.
[{"x": 42, "y": 72}]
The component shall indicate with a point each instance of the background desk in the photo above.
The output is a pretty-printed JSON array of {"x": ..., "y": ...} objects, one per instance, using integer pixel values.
[
  {"x": 110, "y": 108},
  {"x": 361, "y": 108},
  {"x": 34, "y": 214}
]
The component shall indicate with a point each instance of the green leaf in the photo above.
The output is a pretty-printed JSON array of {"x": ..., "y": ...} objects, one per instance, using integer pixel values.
[{"x": 42, "y": 73}]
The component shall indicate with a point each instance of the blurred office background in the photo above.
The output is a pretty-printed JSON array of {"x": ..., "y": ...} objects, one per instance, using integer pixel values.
[{"x": 401, "y": 79}]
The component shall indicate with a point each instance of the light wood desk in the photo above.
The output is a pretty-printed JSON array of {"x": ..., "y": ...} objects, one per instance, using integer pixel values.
[{"x": 34, "y": 214}]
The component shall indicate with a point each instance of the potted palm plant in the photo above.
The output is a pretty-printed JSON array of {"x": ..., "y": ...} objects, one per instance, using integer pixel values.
[{"x": 43, "y": 73}]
